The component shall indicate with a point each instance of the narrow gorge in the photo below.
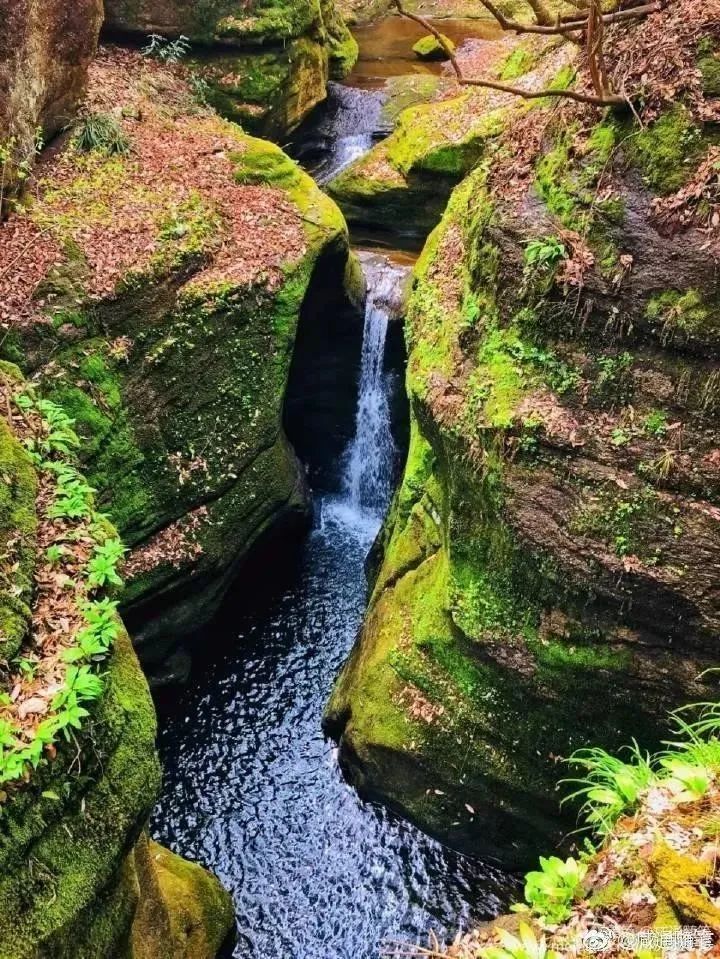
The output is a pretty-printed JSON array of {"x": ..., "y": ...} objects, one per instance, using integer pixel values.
[{"x": 359, "y": 520}]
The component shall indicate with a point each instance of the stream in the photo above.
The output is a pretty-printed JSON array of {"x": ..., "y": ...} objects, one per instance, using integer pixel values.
[{"x": 252, "y": 788}]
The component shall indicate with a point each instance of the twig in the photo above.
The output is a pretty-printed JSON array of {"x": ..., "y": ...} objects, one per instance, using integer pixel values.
[
  {"x": 578, "y": 23},
  {"x": 594, "y": 99}
]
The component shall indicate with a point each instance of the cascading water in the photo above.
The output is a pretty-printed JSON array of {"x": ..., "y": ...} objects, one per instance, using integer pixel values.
[
  {"x": 345, "y": 128},
  {"x": 252, "y": 789},
  {"x": 370, "y": 459}
]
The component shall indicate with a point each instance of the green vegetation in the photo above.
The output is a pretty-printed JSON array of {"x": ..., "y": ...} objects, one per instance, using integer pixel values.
[
  {"x": 52, "y": 450},
  {"x": 102, "y": 132},
  {"x": 169, "y": 51},
  {"x": 666, "y": 150},
  {"x": 551, "y": 890},
  {"x": 526, "y": 945}
]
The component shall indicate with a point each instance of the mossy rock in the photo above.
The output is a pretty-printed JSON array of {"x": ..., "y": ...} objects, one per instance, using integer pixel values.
[
  {"x": 64, "y": 837},
  {"x": 184, "y": 912},
  {"x": 189, "y": 416},
  {"x": 18, "y": 538},
  {"x": 524, "y": 603},
  {"x": 270, "y": 92},
  {"x": 430, "y": 48}
]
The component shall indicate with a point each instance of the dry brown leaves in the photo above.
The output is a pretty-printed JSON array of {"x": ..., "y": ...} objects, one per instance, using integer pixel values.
[
  {"x": 697, "y": 203},
  {"x": 654, "y": 61},
  {"x": 175, "y": 545},
  {"x": 418, "y": 706},
  {"x": 178, "y": 151}
]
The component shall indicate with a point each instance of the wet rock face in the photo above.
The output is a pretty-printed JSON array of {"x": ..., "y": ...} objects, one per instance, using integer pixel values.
[
  {"x": 172, "y": 351},
  {"x": 45, "y": 49},
  {"x": 550, "y": 559}
]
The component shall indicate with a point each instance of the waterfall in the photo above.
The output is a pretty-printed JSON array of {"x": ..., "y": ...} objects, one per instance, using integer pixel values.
[
  {"x": 371, "y": 455},
  {"x": 349, "y": 123}
]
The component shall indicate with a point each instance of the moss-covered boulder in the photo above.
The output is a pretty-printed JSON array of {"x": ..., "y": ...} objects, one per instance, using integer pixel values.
[
  {"x": 548, "y": 564},
  {"x": 45, "y": 49},
  {"x": 406, "y": 180},
  {"x": 76, "y": 880},
  {"x": 164, "y": 323},
  {"x": 430, "y": 48},
  {"x": 268, "y": 92},
  {"x": 265, "y": 64}
]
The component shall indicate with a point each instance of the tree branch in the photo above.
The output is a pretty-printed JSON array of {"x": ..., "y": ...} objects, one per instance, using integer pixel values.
[
  {"x": 578, "y": 22},
  {"x": 596, "y": 99}
]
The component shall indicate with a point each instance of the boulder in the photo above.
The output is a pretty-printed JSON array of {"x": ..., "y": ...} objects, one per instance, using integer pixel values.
[
  {"x": 164, "y": 322},
  {"x": 45, "y": 49}
]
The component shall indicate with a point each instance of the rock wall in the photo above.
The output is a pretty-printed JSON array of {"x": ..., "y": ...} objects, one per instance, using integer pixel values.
[
  {"x": 548, "y": 568},
  {"x": 265, "y": 64},
  {"x": 161, "y": 313},
  {"x": 45, "y": 49},
  {"x": 77, "y": 877}
]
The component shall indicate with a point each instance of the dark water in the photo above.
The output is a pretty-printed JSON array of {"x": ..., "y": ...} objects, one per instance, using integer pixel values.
[{"x": 252, "y": 789}]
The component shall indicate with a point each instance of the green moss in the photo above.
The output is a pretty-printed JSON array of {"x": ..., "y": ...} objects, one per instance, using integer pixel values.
[
  {"x": 188, "y": 913},
  {"x": 709, "y": 65},
  {"x": 268, "y": 91},
  {"x": 682, "y": 314},
  {"x": 609, "y": 895},
  {"x": 430, "y": 48},
  {"x": 443, "y": 138},
  {"x": 18, "y": 531},
  {"x": 520, "y": 62},
  {"x": 665, "y": 151},
  {"x": 261, "y": 162}
]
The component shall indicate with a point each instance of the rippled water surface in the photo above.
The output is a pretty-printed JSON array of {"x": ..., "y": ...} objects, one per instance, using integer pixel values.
[{"x": 253, "y": 790}]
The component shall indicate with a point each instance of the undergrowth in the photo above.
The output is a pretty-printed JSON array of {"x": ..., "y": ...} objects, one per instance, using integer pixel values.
[{"x": 52, "y": 445}]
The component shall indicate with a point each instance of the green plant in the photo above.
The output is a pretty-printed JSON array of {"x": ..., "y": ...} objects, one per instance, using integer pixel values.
[
  {"x": 620, "y": 437},
  {"x": 610, "y": 787},
  {"x": 54, "y": 553},
  {"x": 656, "y": 423},
  {"x": 102, "y": 568},
  {"x": 169, "y": 51},
  {"x": 102, "y": 132},
  {"x": 52, "y": 444},
  {"x": 524, "y": 946},
  {"x": 543, "y": 253},
  {"x": 551, "y": 890},
  {"x": 201, "y": 89},
  {"x": 687, "y": 780}
]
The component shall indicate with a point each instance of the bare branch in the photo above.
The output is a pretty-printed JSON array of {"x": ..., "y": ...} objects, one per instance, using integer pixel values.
[
  {"x": 597, "y": 99},
  {"x": 578, "y": 22}
]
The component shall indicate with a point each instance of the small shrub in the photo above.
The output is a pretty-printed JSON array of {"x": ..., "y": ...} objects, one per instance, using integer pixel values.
[
  {"x": 169, "y": 51},
  {"x": 610, "y": 787},
  {"x": 544, "y": 253},
  {"x": 551, "y": 890},
  {"x": 101, "y": 132}
]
